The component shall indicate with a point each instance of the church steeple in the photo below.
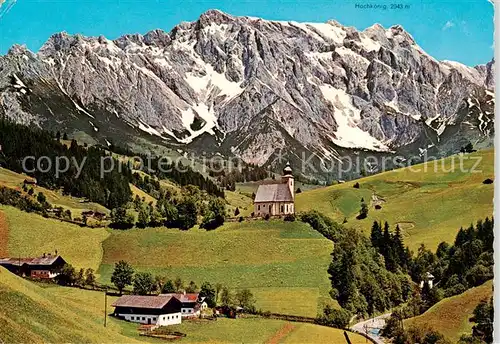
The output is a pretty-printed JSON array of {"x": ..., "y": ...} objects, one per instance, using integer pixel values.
[
  {"x": 287, "y": 178},
  {"x": 287, "y": 171}
]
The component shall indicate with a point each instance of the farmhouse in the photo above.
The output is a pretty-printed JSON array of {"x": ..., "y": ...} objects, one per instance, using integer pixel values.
[
  {"x": 94, "y": 214},
  {"x": 46, "y": 267},
  {"x": 30, "y": 181},
  {"x": 191, "y": 303},
  {"x": 161, "y": 310},
  {"x": 276, "y": 199}
]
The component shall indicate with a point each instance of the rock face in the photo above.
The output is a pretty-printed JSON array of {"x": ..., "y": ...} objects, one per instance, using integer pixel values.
[{"x": 251, "y": 87}]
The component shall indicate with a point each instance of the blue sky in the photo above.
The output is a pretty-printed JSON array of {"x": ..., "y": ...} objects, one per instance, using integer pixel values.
[{"x": 460, "y": 30}]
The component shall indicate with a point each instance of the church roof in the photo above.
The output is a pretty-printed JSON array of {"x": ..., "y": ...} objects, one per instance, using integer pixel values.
[{"x": 273, "y": 193}]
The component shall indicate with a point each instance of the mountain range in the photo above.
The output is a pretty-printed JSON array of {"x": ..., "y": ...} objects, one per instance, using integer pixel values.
[{"x": 249, "y": 88}]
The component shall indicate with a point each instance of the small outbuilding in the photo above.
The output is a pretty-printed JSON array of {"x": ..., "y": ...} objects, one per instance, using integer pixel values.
[{"x": 191, "y": 303}]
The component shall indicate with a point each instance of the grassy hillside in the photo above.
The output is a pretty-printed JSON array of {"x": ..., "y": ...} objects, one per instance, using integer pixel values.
[
  {"x": 15, "y": 180},
  {"x": 429, "y": 203},
  {"x": 28, "y": 235},
  {"x": 451, "y": 315},
  {"x": 35, "y": 314},
  {"x": 285, "y": 264},
  {"x": 258, "y": 330},
  {"x": 240, "y": 201},
  {"x": 38, "y": 313}
]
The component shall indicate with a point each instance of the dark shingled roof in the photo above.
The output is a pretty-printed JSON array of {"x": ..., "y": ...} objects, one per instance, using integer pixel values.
[
  {"x": 273, "y": 193},
  {"x": 185, "y": 298},
  {"x": 137, "y": 301},
  {"x": 47, "y": 260}
]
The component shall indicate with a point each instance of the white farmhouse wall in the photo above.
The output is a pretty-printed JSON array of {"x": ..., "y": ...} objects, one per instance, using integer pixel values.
[
  {"x": 169, "y": 319},
  {"x": 189, "y": 312},
  {"x": 161, "y": 320},
  {"x": 276, "y": 208}
]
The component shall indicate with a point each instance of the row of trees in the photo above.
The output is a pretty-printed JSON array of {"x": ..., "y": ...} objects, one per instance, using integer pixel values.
[
  {"x": 144, "y": 283},
  {"x": 17, "y": 199},
  {"x": 465, "y": 264},
  {"x": 173, "y": 211},
  {"x": 69, "y": 276},
  {"x": 360, "y": 281}
]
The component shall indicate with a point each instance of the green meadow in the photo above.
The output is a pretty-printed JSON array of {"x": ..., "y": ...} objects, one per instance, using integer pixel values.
[
  {"x": 31, "y": 313},
  {"x": 31, "y": 235},
  {"x": 40, "y": 313},
  {"x": 451, "y": 315},
  {"x": 284, "y": 263}
]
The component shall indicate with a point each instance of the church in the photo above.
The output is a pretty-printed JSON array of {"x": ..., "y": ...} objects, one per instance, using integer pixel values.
[{"x": 276, "y": 199}]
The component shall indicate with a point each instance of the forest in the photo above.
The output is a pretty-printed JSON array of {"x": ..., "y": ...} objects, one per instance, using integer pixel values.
[
  {"x": 84, "y": 177},
  {"x": 371, "y": 275}
]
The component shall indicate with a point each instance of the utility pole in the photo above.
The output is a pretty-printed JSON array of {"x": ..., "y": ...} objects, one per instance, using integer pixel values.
[
  {"x": 105, "y": 305},
  {"x": 347, "y": 338}
]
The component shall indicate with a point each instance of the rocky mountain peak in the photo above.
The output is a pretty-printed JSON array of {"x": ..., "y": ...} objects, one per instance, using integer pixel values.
[
  {"x": 214, "y": 16},
  {"x": 248, "y": 87}
]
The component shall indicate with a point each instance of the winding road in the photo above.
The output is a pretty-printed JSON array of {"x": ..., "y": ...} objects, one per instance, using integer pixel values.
[{"x": 372, "y": 327}]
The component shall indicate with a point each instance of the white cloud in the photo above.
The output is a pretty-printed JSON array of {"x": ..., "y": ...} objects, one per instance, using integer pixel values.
[{"x": 449, "y": 24}]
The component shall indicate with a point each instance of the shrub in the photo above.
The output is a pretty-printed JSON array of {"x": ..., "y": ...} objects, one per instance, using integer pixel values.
[
  {"x": 356, "y": 186},
  {"x": 488, "y": 181},
  {"x": 289, "y": 218},
  {"x": 328, "y": 228},
  {"x": 378, "y": 207},
  {"x": 267, "y": 217},
  {"x": 338, "y": 318}
]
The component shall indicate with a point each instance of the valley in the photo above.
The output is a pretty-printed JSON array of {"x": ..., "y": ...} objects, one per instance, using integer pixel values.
[{"x": 284, "y": 264}]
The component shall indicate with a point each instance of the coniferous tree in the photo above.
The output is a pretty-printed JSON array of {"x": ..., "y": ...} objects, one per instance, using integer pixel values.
[
  {"x": 376, "y": 235},
  {"x": 208, "y": 292},
  {"x": 399, "y": 248}
]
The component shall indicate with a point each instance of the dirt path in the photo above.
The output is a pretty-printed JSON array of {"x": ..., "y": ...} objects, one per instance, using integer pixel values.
[
  {"x": 282, "y": 333},
  {"x": 4, "y": 235}
]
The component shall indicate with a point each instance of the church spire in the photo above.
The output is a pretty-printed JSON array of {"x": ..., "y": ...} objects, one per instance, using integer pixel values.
[{"x": 287, "y": 171}]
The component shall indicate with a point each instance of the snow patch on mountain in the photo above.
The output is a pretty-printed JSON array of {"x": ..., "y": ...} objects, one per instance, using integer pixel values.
[
  {"x": 347, "y": 116},
  {"x": 467, "y": 72},
  {"x": 19, "y": 83}
]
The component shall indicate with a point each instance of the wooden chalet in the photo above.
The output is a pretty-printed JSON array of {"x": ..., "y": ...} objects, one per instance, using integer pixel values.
[{"x": 46, "y": 267}]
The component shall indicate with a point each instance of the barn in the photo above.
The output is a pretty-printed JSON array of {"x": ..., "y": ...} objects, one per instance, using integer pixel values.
[{"x": 160, "y": 310}]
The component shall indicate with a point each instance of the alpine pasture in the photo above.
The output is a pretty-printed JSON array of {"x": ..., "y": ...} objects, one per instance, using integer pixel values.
[
  {"x": 451, "y": 315},
  {"x": 429, "y": 201},
  {"x": 58, "y": 314},
  {"x": 283, "y": 263}
]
